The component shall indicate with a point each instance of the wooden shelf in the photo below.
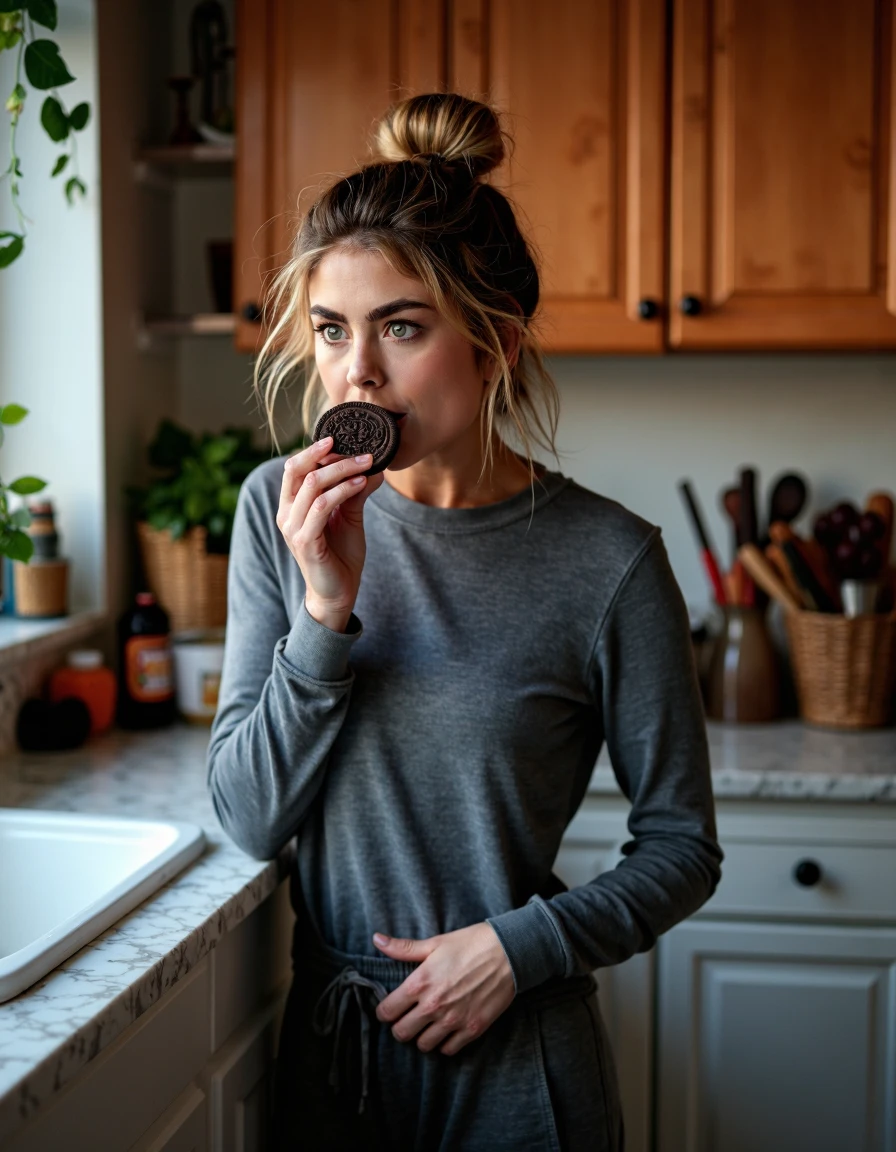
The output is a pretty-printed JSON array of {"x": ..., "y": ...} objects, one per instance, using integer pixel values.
[
  {"x": 158, "y": 165},
  {"x": 199, "y": 324}
]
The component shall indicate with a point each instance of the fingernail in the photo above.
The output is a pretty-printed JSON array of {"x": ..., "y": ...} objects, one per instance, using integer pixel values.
[
  {"x": 326, "y": 440},
  {"x": 379, "y": 938},
  {"x": 357, "y": 479},
  {"x": 365, "y": 457}
]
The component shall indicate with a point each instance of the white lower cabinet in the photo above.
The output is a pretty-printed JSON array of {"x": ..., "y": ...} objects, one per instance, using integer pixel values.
[
  {"x": 767, "y": 1021},
  {"x": 774, "y": 1038}
]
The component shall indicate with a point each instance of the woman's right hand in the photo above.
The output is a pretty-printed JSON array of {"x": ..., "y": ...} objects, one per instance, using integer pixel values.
[{"x": 321, "y": 519}]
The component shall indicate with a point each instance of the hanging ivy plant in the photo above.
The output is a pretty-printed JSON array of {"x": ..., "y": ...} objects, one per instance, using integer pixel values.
[{"x": 45, "y": 71}]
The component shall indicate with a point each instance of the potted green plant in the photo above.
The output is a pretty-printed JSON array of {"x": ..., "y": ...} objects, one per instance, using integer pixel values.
[
  {"x": 14, "y": 541},
  {"x": 184, "y": 519}
]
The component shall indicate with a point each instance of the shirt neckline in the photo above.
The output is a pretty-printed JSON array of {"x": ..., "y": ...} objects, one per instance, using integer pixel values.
[{"x": 388, "y": 500}]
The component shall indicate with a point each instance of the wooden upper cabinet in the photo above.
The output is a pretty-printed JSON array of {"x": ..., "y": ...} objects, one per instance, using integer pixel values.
[
  {"x": 584, "y": 83},
  {"x": 782, "y": 197},
  {"x": 311, "y": 83},
  {"x": 768, "y": 224}
]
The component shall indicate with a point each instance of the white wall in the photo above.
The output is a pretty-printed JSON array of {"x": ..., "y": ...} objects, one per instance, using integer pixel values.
[
  {"x": 632, "y": 428},
  {"x": 50, "y": 318}
]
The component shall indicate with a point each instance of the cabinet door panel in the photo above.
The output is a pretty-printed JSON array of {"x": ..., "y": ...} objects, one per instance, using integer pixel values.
[
  {"x": 240, "y": 1083},
  {"x": 306, "y": 103},
  {"x": 772, "y": 1038},
  {"x": 584, "y": 83},
  {"x": 780, "y": 174},
  {"x": 181, "y": 1129}
]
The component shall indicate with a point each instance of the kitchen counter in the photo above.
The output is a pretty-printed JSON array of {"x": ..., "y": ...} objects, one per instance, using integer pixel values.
[{"x": 49, "y": 1032}]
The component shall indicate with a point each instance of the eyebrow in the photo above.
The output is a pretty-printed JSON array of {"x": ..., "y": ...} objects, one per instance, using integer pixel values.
[{"x": 384, "y": 310}]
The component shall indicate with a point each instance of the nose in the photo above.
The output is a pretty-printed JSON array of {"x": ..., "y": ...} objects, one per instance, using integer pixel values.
[{"x": 365, "y": 370}]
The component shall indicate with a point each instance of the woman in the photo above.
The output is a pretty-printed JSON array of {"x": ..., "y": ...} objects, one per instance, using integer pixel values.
[{"x": 421, "y": 667}]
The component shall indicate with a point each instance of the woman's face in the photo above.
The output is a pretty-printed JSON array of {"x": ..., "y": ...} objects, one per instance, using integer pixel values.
[{"x": 379, "y": 339}]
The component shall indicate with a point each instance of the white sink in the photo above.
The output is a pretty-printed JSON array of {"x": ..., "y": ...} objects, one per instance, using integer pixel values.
[{"x": 66, "y": 877}]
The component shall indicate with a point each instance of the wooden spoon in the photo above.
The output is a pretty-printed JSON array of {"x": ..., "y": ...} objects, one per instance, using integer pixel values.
[{"x": 786, "y": 501}]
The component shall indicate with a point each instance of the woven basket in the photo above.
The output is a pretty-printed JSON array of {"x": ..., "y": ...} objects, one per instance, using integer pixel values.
[
  {"x": 189, "y": 583},
  {"x": 844, "y": 668}
]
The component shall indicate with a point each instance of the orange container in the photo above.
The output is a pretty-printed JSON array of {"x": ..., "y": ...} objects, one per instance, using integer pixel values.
[{"x": 85, "y": 677}]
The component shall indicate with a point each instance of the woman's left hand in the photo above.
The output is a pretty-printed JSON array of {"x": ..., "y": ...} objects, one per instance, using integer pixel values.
[{"x": 462, "y": 986}]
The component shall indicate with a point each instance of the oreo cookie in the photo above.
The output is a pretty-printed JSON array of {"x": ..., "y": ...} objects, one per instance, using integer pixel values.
[{"x": 359, "y": 427}]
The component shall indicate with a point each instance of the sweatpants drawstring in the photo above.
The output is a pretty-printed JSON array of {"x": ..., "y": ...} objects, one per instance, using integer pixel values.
[{"x": 329, "y": 1015}]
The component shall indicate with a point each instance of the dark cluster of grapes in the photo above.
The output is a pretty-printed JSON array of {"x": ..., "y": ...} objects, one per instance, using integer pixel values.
[{"x": 851, "y": 540}]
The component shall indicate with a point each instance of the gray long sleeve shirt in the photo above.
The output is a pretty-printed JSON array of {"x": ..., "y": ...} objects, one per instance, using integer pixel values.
[{"x": 429, "y": 759}]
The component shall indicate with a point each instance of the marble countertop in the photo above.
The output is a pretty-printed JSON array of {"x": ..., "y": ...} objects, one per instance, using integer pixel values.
[{"x": 49, "y": 1032}]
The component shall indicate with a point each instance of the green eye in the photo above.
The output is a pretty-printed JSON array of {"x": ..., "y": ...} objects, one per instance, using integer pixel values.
[
  {"x": 403, "y": 329},
  {"x": 332, "y": 332}
]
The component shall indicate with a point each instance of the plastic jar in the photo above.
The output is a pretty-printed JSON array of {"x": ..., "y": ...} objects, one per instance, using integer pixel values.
[{"x": 85, "y": 677}]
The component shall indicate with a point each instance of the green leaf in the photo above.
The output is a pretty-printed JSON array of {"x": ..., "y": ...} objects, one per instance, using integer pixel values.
[
  {"x": 18, "y": 546},
  {"x": 10, "y": 6},
  {"x": 10, "y": 39},
  {"x": 219, "y": 450},
  {"x": 227, "y": 497},
  {"x": 54, "y": 120},
  {"x": 43, "y": 12},
  {"x": 13, "y": 414},
  {"x": 44, "y": 67},
  {"x": 72, "y": 185},
  {"x": 61, "y": 162},
  {"x": 159, "y": 520},
  {"x": 21, "y": 518},
  {"x": 79, "y": 116},
  {"x": 27, "y": 485},
  {"x": 12, "y": 249},
  {"x": 196, "y": 506}
]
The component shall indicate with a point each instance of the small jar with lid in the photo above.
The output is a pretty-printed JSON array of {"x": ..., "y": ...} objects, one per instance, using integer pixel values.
[{"x": 85, "y": 677}]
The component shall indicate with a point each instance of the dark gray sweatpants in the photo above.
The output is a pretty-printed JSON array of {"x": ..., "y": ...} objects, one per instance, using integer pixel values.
[{"x": 540, "y": 1078}]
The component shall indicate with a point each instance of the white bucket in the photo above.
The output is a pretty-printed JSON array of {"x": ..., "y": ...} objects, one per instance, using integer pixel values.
[{"x": 198, "y": 660}]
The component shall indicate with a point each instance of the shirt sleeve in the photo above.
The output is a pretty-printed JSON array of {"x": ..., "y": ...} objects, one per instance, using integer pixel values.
[
  {"x": 645, "y": 681},
  {"x": 283, "y": 696}
]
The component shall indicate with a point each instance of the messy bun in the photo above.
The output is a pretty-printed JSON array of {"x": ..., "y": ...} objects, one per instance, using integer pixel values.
[
  {"x": 444, "y": 124},
  {"x": 422, "y": 205}
]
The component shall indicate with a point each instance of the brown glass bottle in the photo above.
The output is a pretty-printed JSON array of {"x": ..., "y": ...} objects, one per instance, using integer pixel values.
[{"x": 145, "y": 666}]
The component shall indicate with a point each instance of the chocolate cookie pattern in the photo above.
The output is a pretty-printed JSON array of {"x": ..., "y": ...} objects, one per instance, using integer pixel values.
[{"x": 360, "y": 427}]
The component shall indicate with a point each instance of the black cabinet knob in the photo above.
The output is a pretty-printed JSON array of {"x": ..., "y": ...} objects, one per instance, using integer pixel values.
[
  {"x": 251, "y": 312},
  {"x": 690, "y": 306},
  {"x": 807, "y": 873},
  {"x": 648, "y": 309}
]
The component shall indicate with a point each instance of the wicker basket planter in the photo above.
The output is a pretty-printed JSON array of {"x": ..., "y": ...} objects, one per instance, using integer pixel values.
[
  {"x": 844, "y": 668},
  {"x": 189, "y": 583}
]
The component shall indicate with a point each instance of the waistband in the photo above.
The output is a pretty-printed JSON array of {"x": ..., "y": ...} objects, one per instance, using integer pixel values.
[{"x": 367, "y": 980}]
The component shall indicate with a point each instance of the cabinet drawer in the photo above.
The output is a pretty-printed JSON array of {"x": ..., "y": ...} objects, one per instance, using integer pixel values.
[{"x": 856, "y": 881}]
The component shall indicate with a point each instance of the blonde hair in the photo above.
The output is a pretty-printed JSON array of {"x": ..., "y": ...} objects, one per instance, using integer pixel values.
[{"x": 422, "y": 205}]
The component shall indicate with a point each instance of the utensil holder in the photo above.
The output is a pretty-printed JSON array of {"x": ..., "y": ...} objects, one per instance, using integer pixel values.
[
  {"x": 744, "y": 683},
  {"x": 844, "y": 668}
]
